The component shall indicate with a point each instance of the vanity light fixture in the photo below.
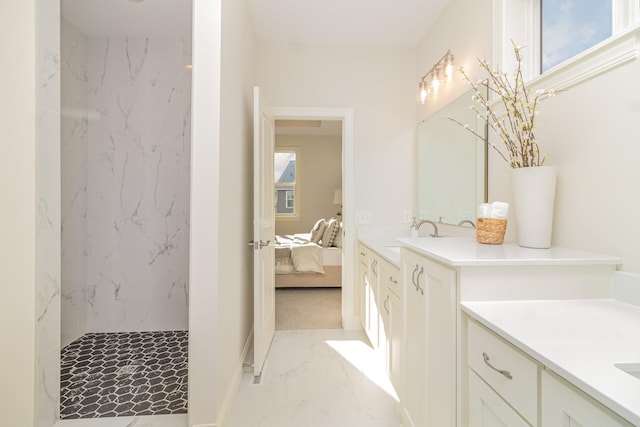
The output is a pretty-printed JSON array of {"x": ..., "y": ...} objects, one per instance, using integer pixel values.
[{"x": 433, "y": 78}]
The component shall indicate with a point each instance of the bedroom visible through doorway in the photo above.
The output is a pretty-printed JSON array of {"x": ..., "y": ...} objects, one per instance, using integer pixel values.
[{"x": 308, "y": 177}]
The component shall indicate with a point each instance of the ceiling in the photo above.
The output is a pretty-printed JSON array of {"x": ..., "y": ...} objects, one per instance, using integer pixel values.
[
  {"x": 131, "y": 18},
  {"x": 391, "y": 23}
]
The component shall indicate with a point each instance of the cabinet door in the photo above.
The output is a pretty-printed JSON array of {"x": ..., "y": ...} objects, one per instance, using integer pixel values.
[
  {"x": 363, "y": 267},
  {"x": 565, "y": 406},
  {"x": 394, "y": 340},
  {"x": 487, "y": 409},
  {"x": 369, "y": 284},
  {"x": 441, "y": 343},
  {"x": 391, "y": 327},
  {"x": 373, "y": 300},
  {"x": 429, "y": 302},
  {"x": 415, "y": 379}
]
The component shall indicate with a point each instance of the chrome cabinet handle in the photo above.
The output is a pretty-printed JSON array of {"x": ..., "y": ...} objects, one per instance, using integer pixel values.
[
  {"x": 413, "y": 277},
  {"x": 500, "y": 371},
  {"x": 374, "y": 267},
  {"x": 386, "y": 304},
  {"x": 393, "y": 281},
  {"x": 418, "y": 287}
]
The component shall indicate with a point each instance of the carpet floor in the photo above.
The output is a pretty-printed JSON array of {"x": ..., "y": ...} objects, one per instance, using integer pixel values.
[{"x": 308, "y": 308}]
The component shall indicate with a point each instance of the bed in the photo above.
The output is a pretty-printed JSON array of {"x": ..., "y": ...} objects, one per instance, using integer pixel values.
[{"x": 307, "y": 260}]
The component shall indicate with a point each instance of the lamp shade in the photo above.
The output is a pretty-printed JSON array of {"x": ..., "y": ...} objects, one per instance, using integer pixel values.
[{"x": 337, "y": 197}]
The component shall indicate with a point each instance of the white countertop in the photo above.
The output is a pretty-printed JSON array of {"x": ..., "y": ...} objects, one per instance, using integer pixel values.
[
  {"x": 463, "y": 251},
  {"x": 384, "y": 247},
  {"x": 580, "y": 340}
]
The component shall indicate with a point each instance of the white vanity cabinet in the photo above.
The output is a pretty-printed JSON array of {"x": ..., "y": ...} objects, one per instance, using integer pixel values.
[
  {"x": 381, "y": 310},
  {"x": 447, "y": 381},
  {"x": 504, "y": 389},
  {"x": 563, "y": 405},
  {"x": 430, "y": 310},
  {"x": 503, "y": 382}
]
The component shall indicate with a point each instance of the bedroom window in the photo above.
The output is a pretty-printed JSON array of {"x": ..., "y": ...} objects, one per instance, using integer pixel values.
[
  {"x": 289, "y": 197},
  {"x": 568, "y": 28},
  {"x": 285, "y": 182}
]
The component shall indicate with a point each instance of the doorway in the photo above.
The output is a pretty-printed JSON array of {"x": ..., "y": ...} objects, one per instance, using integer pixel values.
[
  {"x": 344, "y": 118},
  {"x": 308, "y": 224}
]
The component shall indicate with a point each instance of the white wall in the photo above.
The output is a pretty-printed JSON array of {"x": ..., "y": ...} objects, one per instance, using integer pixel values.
[
  {"x": 235, "y": 308},
  {"x": 221, "y": 292},
  {"x": 318, "y": 175},
  {"x": 18, "y": 245},
  {"x": 590, "y": 133},
  {"x": 378, "y": 83}
]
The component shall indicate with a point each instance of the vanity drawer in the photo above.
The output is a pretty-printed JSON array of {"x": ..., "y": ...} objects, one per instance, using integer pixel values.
[
  {"x": 391, "y": 277},
  {"x": 508, "y": 371}
]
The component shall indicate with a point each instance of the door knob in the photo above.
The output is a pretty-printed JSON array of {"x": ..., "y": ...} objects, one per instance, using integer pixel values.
[{"x": 259, "y": 245}]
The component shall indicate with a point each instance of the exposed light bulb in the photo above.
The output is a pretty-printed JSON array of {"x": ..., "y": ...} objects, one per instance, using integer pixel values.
[
  {"x": 423, "y": 91},
  {"x": 448, "y": 70},
  {"x": 435, "y": 83}
]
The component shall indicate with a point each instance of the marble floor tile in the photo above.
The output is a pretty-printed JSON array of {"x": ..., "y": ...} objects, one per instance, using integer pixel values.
[{"x": 318, "y": 378}]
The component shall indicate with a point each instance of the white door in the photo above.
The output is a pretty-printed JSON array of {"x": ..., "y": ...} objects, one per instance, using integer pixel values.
[{"x": 264, "y": 321}]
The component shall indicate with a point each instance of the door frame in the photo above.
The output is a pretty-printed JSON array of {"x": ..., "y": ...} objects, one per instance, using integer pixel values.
[{"x": 350, "y": 319}]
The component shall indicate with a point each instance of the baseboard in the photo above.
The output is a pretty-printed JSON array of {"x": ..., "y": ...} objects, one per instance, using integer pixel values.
[{"x": 234, "y": 386}]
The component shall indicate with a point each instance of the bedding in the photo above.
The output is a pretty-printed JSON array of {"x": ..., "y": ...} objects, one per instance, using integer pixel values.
[{"x": 301, "y": 263}]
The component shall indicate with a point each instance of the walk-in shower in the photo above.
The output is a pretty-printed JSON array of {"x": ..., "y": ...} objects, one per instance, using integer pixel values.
[{"x": 125, "y": 167}]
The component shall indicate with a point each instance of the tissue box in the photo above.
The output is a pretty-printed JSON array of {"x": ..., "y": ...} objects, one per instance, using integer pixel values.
[{"x": 490, "y": 230}]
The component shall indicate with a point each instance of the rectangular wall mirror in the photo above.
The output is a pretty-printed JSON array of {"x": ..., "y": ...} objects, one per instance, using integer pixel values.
[{"x": 452, "y": 164}]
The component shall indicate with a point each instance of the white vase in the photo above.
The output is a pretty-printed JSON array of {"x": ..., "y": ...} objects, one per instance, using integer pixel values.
[{"x": 534, "y": 191}]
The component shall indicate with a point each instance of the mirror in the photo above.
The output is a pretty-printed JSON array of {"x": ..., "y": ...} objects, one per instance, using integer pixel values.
[{"x": 452, "y": 164}]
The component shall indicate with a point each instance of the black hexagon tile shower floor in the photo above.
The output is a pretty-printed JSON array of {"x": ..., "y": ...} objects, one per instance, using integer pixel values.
[{"x": 124, "y": 374}]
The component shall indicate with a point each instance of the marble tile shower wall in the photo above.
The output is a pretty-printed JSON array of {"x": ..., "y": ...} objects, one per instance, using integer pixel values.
[
  {"x": 138, "y": 184},
  {"x": 47, "y": 263},
  {"x": 74, "y": 151},
  {"x": 127, "y": 177}
]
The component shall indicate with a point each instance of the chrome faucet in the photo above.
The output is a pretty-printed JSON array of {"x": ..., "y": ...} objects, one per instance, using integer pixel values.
[
  {"x": 467, "y": 221},
  {"x": 435, "y": 227}
]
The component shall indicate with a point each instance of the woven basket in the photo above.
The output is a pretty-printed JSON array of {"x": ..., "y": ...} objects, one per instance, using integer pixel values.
[{"x": 490, "y": 230}]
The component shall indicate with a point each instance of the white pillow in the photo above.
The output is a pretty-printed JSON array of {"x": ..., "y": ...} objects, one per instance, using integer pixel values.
[
  {"x": 307, "y": 258},
  {"x": 318, "y": 231},
  {"x": 330, "y": 232}
]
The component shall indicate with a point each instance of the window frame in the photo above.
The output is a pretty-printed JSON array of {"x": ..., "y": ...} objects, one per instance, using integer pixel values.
[
  {"x": 520, "y": 20},
  {"x": 287, "y": 203},
  {"x": 295, "y": 215}
]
